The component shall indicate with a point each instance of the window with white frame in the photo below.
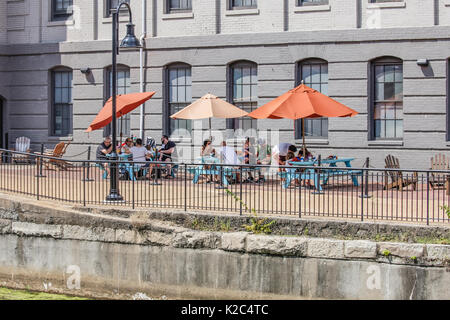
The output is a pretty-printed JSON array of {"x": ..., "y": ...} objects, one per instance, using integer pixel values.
[
  {"x": 314, "y": 74},
  {"x": 61, "y": 103},
  {"x": 387, "y": 99},
  {"x": 311, "y": 2},
  {"x": 110, "y": 5},
  {"x": 244, "y": 92},
  {"x": 179, "y": 95},
  {"x": 383, "y": 1},
  {"x": 242, "y": 4},
  {"x": 173, "y": 6},
  {"x": 62, "y": 9}
]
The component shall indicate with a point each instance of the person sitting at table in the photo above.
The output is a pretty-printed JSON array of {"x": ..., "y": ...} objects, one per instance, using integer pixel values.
[
  {"x": 280, "y": 151},
  {"x": 229, "y": 157},
  {"x": 165, "y": 154},
  {"x": 207, "y": 151},
  {"x": 102, "y": 150},
  {"x": 263, "y": 157},
  {"x": 263, "y": 152},
  {"x": 300, "y": 157},
  {"x": 140, "y": 155},
  {"x": 126, "y": 146},
  {"x": 249, "y": 155}
]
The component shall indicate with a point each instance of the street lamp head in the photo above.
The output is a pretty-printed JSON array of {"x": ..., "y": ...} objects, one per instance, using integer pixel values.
[{"x": 130, "y": 41}]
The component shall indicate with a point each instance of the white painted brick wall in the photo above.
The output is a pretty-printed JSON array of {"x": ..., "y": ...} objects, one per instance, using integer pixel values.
[{"x": 22, "y": 17}]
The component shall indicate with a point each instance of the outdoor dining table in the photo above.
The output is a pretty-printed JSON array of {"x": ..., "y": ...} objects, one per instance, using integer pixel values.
[{"x": 320, "y": 175}]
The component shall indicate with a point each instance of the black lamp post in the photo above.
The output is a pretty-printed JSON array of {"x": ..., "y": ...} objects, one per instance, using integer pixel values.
[{"x": 130, "y": 41}]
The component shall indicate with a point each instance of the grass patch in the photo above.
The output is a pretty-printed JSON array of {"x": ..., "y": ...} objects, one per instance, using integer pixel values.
[{"x": 11, "y": 294}]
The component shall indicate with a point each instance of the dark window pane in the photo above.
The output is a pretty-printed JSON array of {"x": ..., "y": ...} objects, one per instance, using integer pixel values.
[
  {"x": 62, "y": 103},
  {"x": 180, "y": 95},
  {"x": 314, "y": 75},
  {"x": 388, "y": 86},
  {"x": 245, "y": 96}
]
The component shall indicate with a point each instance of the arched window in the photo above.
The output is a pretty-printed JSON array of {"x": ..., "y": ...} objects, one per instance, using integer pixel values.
[
  {"x": 123, "y": 87},
  {"x": 314, "y": 74},
  {"x": 387, "y": 98},
  {"x": 244, "y": 92},
  {"x": 178, "y": 95},
  {"x": 61, "y": 102}
]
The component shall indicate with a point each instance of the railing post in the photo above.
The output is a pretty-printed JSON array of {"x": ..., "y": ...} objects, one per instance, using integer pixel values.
[
  {"x": 84, "y": 183},
  {"x": 133, "y": 177},
  {"x": 40, "y": 162},
  {"x": 366, "y": 189},
  {"x": 240, "y": 191},
  {"x": 88, "y": 173},
  {"x": 428, "y": 198},
  {"x": 185, "y": 187}
]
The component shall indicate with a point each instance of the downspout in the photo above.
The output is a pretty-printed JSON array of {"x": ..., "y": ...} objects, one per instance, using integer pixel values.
[{"x": 141, "y": 65}]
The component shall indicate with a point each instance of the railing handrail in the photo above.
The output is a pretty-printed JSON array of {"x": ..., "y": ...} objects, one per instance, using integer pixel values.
[{"x": 37, "y": 155}]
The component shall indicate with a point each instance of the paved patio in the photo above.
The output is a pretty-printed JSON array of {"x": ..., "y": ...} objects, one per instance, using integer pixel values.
[{"x": 340, "y": 198}]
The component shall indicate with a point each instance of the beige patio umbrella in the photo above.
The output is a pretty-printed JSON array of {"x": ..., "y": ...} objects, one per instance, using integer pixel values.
[{"x": 207, "y": 107}]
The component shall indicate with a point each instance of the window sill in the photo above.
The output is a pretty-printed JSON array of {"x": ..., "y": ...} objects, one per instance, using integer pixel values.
[
  {"x": 386, "y": 5},
  {"x": 178, "y": 15},
  {"x": 325, "y": 7},
  {"x": 59, "y": 23},
  {"x": 59, "y": 139},
  {"x": 385, "y": 143},
  {"x": 181, "y": 140},
  {"x": 109, "y": 19},
  {"x": 241, "y": 12},
  {"x": 313, "y": 142}
]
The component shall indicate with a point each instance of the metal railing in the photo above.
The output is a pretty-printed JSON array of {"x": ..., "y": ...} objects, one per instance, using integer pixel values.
[{"x": 302, "y": 191}]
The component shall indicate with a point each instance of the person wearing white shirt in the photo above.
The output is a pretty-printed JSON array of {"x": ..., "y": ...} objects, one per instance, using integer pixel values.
[
  {"x": 140, "y": 154},
  {"x": 280, "y": 151}
]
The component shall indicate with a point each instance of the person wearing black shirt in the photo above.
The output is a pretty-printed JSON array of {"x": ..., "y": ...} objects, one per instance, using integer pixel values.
[
  {"x": 102, "y": 150},
  {"x": 165, "y": 153}
]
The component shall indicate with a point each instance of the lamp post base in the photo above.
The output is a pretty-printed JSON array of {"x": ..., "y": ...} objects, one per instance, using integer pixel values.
[{"x": 114, "y": 196}]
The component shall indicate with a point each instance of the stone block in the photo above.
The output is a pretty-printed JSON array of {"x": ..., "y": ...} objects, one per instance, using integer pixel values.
[
  {"x": 5, "y": 226},
  {"x": 197, "y": 240},
  {"x": 89, "y": 234},
  {"x": 438, "y": 253},
  {"x": 126, "y": 236},
  {"x": 403, "y": 250},
  {"x": 234, "y": 241},
  {"x": 8, "y": 214},
  {"x": 360, "y": 249},
  {"x": 325, "y": 248},
  {"x": 40, "y": 230},
  {"x": 276, "y": 245},
  {"x": 156, "y": 238}
]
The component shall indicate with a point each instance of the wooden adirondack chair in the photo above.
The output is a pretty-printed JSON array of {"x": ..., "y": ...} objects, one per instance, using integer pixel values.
[
  {"x": 22, "y": 145},
  {"x": 398, "y": 179},
  {"x": 57, "y": 152},
  {"x": 440, "y": 180}
]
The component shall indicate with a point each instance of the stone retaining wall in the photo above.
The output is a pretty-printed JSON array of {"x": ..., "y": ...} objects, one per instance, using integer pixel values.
[{"x": 137, "y": 253}]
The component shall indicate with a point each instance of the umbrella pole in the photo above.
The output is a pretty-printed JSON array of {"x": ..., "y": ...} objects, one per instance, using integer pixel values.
[
  {"x": 303, "y": 137},
  {"x": 210, "y": 135}
]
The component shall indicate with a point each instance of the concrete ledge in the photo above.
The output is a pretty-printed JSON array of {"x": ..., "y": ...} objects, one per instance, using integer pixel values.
[
  {"x": 291, "y": 238},
  {"x": 31, "y": 229}
]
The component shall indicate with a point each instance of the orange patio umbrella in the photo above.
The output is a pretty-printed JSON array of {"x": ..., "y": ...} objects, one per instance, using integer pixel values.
[
  {"x": 300, "y": 103},
  {"x": 207, "y": 107},
  {"x": 125, "y": 103}
]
